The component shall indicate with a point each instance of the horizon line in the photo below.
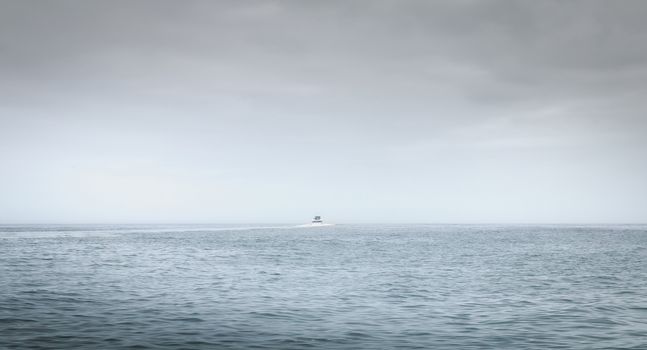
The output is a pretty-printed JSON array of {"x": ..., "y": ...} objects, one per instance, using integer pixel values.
[{"x": 336, "y": 223}]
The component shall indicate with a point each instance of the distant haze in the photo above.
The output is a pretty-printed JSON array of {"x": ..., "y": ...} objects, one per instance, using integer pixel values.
[{"x": 359, "y": 111}]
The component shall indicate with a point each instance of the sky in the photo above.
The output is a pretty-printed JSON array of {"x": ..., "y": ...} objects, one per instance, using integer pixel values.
[{"x": 454, "y": 111}]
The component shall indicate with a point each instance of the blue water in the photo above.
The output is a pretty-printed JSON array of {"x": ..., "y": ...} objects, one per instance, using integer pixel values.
[{"x": 340, "y": 287}]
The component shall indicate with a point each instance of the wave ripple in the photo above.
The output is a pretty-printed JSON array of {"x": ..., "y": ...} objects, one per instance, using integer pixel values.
[{"x": 337, "y": 287}]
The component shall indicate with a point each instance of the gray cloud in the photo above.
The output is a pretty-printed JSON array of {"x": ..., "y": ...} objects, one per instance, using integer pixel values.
[{"x": 402, "y": 110}]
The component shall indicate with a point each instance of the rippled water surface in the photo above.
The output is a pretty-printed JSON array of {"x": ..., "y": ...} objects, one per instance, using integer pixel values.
[{"x": 340, "y": 287}]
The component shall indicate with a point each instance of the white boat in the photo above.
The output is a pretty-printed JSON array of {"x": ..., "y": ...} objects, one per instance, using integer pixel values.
[{"x": 316, "y": 222}]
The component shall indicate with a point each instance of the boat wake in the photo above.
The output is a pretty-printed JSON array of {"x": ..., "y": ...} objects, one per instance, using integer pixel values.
[{"x": 314, "y": 225}]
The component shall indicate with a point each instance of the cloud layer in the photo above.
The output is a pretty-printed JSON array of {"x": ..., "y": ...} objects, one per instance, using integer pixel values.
[{"x": 443, "y": 111}]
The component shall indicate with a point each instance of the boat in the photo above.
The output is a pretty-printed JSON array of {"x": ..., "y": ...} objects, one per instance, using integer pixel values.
[{"x": 317, "y": 220}]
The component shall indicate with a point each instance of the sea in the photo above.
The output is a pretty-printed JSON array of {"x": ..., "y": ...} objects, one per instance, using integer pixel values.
[{"x": 335, "y": 287}]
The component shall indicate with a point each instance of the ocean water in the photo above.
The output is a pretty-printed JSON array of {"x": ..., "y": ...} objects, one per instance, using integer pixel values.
[{"x": 339, "y": 287}]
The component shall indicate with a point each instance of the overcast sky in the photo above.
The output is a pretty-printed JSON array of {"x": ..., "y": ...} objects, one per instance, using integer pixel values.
[{"x": 360, "y": 111}]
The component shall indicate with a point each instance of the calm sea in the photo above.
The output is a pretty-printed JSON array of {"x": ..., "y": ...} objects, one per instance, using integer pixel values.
[{"x": 340, "y": 287}]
